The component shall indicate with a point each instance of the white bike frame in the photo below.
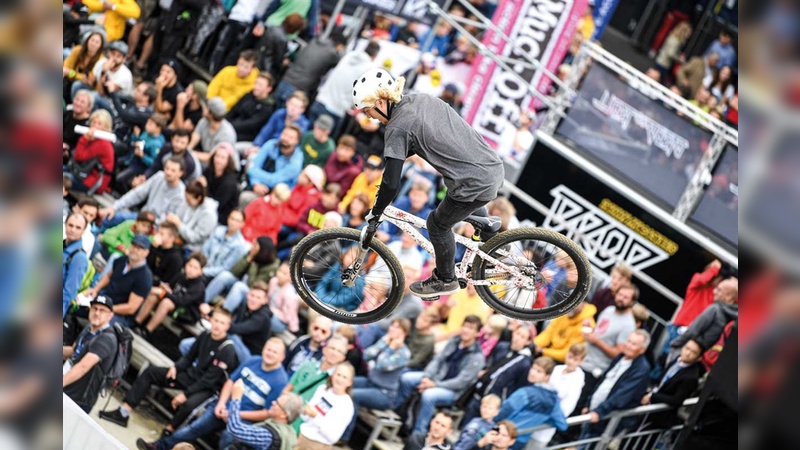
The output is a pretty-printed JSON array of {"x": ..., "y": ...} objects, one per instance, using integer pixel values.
[{"x": 411, "y": 223}]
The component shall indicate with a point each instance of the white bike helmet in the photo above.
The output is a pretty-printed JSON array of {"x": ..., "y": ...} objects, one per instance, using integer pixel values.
[{"x": 366, "y": 87}]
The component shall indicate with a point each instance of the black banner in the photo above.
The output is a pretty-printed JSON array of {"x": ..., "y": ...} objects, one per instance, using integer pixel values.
[{"x": 417, "y": 10}]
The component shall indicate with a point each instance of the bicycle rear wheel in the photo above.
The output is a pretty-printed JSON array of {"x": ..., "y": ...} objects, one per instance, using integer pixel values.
[
  {"x": 318, "y": 262},
  {"x": 554, "y": 271}
]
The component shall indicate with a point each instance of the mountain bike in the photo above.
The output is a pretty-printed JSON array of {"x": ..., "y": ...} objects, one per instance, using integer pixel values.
[{"x": 526, "y": 273}]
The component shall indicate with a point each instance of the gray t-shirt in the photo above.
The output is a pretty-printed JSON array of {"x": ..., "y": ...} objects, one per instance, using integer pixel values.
[
  {"x": 613, "y": 329},
  {"x": 429, "y": 127},
  {"x": 209, "y": 140}
]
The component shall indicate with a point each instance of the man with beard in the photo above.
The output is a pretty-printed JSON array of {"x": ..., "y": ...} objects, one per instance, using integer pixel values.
[
  {"x": 277, "y": 161},
  {"x": 134, "y": 112},
  {"x": 178, "y": 146},
  {"x": 253, "y": 110}
]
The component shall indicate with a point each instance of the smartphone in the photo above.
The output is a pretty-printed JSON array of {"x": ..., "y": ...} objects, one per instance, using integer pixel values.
[{"x": 496, "y": 428}]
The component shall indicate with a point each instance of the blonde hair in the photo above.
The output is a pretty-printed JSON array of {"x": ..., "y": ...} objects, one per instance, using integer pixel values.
[
  {"x": 393, "y": 93},
  {"x": 492, "y": 398},
  {"x": 640, "y": 313},
  {"x": 578, "y": 350},
  {"x": 104, "y": 116},
  {"x": 679, "y": 31},
  {"x": 624, "y": 270},
  {"x": 281, "y": 191},
  {"x": 497, "y": 322}
]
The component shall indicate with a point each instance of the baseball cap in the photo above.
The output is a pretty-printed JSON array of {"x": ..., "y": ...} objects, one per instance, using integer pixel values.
[
  {"x": 200, "y": 88},
  {"x": 141, "y": 240},
  {"x": 217, "y": 108},
  {"x": 103, "y": 300},
  {"x": 173, "y": 63},
  {"x": 324, "y": 122},
  {"x": 374, "y": 162}
]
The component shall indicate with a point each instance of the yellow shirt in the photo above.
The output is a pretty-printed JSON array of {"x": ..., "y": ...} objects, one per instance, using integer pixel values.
[
  {"x": 115, "y": 19},
  {"x": 227, "y": 85},
  {"x": 360, "y": 186},
  {"x": 465, "y": 305}
]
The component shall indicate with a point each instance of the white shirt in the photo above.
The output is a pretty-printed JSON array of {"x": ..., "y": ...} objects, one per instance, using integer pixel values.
[
  {"x": 601, "y": 394},
  {"x": 569, "y": 387},
  {"x": 87, "y": 239},
  {"x": 123, "y": 77},
  {"x": 244, "y": 10},
  {"x": 334, "y": 413}
]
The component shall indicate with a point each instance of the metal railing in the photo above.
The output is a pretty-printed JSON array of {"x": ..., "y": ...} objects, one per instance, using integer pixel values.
[{"x": 622, "y": 439}]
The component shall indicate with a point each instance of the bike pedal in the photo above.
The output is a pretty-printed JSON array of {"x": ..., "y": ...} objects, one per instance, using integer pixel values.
[{"x": 430, "y": 299}]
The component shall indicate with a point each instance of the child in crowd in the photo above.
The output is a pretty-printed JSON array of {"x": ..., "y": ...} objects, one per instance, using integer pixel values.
[
  {"x": 490, "y": 334},
  {"x": 476, "y": 428},
  {"x": 145, "y": 146},
  {"x": 283, "y": 301}
]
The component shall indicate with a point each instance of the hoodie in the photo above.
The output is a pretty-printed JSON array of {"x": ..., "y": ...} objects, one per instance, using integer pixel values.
[
  {"x": 532, "y": 405},
  {"x": 468, "y": 367},
  {"x": 343, "y": 173},
  {"x": 313, "y": 218},
  {"x": 699, "y": 295},
  {"x": 562, "y": 332},
  {"x": 197, "y": 223},
  {"x": 707, "y": 327},
  {"x": 302, "y": 198},
  {"x": 335, "y": 94},
  {"x": 262, "y": 218}
]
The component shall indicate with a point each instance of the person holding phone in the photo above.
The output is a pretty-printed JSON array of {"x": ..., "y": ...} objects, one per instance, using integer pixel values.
[{"x": 501, "y": 437}]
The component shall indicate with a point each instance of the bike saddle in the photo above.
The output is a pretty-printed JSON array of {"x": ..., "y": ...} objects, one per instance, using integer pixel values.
[{"x": 491, "y": 224}]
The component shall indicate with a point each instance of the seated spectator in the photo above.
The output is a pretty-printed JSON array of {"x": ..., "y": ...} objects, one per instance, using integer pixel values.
[
  {"x": 283, "y": 301},
  {"x": 129, "y": 281},
  {"x": 477, "y": 427},
  {"x": 178, "y": 147},
  {"x": 356, "y": 215},
  {"x": 253, "y": 110},
  {"x": 420, "y": 341},
  {"x": 374, "y": 294},
  {"x": 518, "y": 141},
  {"x": 212, "y": 130},
  {"x": 263, "y": 215},
  {"x": 640, "y": 316},
  {"x": 305, "y": 194},
  {"x": 707, "y": 327},
  {"x": 440, "y": 43},
  {"x": 285, "y": 410},
  {"x": 222, "y": 180},
  {"x": 168, "y": 87},
  {"x": 621, "y": 275},
  {"x": 670, "y": 53},
  {"x": 621, "y": 386},
  {"x": 344, "y": 165},
  {"x": 278, "y": 161},
  {"x": 326, "y": 414},
  {"x": 231, "y": 83},
  {"x": 693, "y": 74},
  {"x": 292, "y": 114},
  {"x": 410, "y": 308},
  {"x": 198, "y": 374},
  {"x": 331, "y": 290},
  {"x": 366, "y": 183},
  {"x": 311, "y": 63},
  {"x": 196, "y": 218},
  {"x": 557, "y": 338},
  {"x": 255, "y": 385},
  {"x": 416, "y": 203},
  {"x": 90, "y": 208},
  {"x": 116, "y": 240},
  {"x": 133, "y": 111},
  {"x": 182, "y": 295},
  {"x": 74, "y": 260},
  {"x": 679, "y": 382},
  {"x": 321, "y": 257},
  {"x": 463, "y": 303},
  {"x": 310, "y": 346},
  {"x": 93, "y": 159},
  {"x": 108, "y": 75},
  {"x": 146, "y": 147},
  {"x": 226, "y": 245},
  {"x": 567, "y": 379},
  {"x": 355, "y": 351},
  {"x": 317, "y": 144},
  {"x": 314, "y": 217},
  {"x": 447, "y": 376},
  {"x": 535, "y": 404},
  {"x": 504, "y": 209},
  {"x": 504, "y": 373},
  {"x": 369, "y": 134},
  {"x": 490, "y": 333},
  {"x": 165, "y": 259},
  {"x": 189, "y": 110},
  {"x": 82, "y": 58},
  {"x": 92, "y": 356},
  {"x": 436, "y": 437},
  {"x": 260, "y": 264},
  {"x": 77, "y": 113},
  {"x": 162, "y": 193},
  {"x": 503, "y": 439}
]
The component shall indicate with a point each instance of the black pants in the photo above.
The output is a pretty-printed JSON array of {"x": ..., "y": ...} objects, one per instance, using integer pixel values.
[
  {"x": 157, "y": 376},
  {"x": 229, "y": 45},
  {"x": 440, "y": 229}
]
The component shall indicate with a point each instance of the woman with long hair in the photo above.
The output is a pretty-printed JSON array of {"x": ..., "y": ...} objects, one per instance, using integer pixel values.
[
  {"x": 670, "y": 52},
  {"x": 356, "y": 214},
  {"x": 327, "y": 414},
  {"x": 220, "y": 180},
  {"x": 721, "y": 85},
  {"x": 80, "y": 62}
]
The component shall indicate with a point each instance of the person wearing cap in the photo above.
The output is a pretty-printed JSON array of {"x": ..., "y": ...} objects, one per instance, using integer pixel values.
[
  {"x": 92, "y": 355},
  {"x": 212, "y": 129},
  {"x": 231, "y": 83},
  {"x": 293, "y": 113},
  {"x": 112, "y": 74},
  {"x": 305, "y": 194},
  {"x": 253, "y": 110},
  {"x": 189, "y": 108},
  {"x": 277, "y": 161},
  {"x": 129, "y": 281},
  {"x": 426, "y": 126},
  {"x": 366, "y": 183},
  {"x": 168, "y": 86},
  {"x": 117, "y": 13},
  {"x": 317, "y": 144}
]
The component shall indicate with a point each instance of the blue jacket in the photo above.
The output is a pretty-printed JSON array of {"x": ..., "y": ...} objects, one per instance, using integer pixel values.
[
  {"x": 331, "y": 291},
  {"x": 629, "y": 389},
  {"x": 509, "y": 377},
  {"x": 404, "y": 204},
  {"x": 287, "y": 170},
  {"x": 223, "y": 252},
  {"x": 532, "y": 405},
  {"x": 276, "y": 124},
  {"x": 72, "y": 275}
]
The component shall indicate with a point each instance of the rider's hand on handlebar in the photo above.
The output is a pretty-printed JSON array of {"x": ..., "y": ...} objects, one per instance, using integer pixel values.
[{"x": 373, "y": 220}]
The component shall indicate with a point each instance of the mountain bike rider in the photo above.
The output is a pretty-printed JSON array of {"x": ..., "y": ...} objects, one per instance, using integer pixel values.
[{"x": 427, "y": 126}]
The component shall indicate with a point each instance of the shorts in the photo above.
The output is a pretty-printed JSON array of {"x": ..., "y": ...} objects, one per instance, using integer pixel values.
[{"x": 149, "y": 15}]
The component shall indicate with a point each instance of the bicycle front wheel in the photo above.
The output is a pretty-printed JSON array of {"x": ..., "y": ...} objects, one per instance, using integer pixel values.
[
  {"x": 318, "y": 263},
  {"x": 553, "y": 274}
]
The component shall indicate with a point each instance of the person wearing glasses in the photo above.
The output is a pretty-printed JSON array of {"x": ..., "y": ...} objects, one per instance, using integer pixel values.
[
  {"x": 309, "y": 346},
  {"x": 274, "y": 433}
]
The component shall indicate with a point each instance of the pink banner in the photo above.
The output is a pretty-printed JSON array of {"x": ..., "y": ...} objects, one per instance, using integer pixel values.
[{"x": 541, "y": 30}]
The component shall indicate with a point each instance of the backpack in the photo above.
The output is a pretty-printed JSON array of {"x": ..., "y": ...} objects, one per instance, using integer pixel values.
[
  {"x": 122, "y": 358},
  {"x": 88, "y": 276},
  {"x": 83, "y": 169},
  {"x": 711, "y": 355}
]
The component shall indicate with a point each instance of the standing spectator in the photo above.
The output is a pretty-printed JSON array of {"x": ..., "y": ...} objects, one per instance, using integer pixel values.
[
  {"x": 325, "y": 415},
  {"x": 707, "y": 327},
  {"x": 283, "y": 301},
  {"x": 78, "y": 114},
  {"x": 234, "y": 34},
  {"x": 279, "y": 10},
  {"x": 671, "y": 51},
  {"x": 255, "y": 385},
  {"x": 334, "y": 97},
  {"x": 189, "y": 108},
  {"x": 94, "y": 154},
  {"x": 117, "y": 13},
  {"x": 168, "y": 87},
  {"x": 563, "y": 332},
  {"x": 344, "y": 165},
  {"x": 273, "y": 43},
  {"x": 436, "y": 438},
  {"x": 277, "y": 161},
  {"x": 222, "y": 180},
  {"x": 721, "y": 85},
  {"x": 74, "y": 260},
  {"x": 179, "y": 147},
  {"x": 503, "y": 439},
  {"x": 231, "y": 83},
  {"x": 723, "y": 47},
  {"x": 317, "y": 144},
  {"x": 285, "y": 410},
  {"x": 198, "y": 374},
  {"x": 621, "y": 275},
  {"x": 305, "y": 194},
  {"x": 447, "y": 376},
  {"x": 621, "y": 387},
  {"x": 176, "y": 23},
  {"x": 698, "y": 72},
  {"x": 292, "y": 114},
  {"x": 226, "y": 245},
  {"x": 477, "y": 427},
  {"x": 699, "y": 295},
  {"x": 264, "y": 214},
  {"x": 367, "y": 182},
  {"x": 310, "y": 64},
  {"x": 309, "y": 346},
  {"x": 165, "y": 259},
  {"x": 212, "y": 130},
  {"x": 196, "y": 217},
  {"x": 254, "y": 109},
  {"x": 92, "y": 356}
]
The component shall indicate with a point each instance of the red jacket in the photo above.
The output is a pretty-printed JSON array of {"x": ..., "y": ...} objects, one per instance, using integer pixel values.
[
  {"x": 86, "y": 150},
  {"x": 302, "y": 198},
  {"x": 262, "y": 218},
  {"x": 699, "y": 294},
  {"x": 311, "y": 220},
  {"x": 343, "y": 173}
]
